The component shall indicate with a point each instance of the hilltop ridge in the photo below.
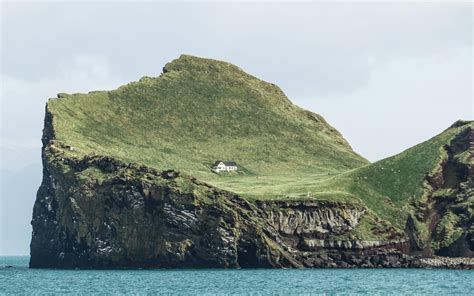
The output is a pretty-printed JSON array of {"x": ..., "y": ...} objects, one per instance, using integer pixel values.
[{"x": 197, "y": 111}]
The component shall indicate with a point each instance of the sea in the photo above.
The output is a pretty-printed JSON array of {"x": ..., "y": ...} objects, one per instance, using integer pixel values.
[{"x": 17, "y": 278}]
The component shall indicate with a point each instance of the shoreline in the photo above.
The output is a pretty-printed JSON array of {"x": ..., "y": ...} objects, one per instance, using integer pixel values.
[
  {"x": 439, "y": 262},
  {"x": 436, "y": 262}
]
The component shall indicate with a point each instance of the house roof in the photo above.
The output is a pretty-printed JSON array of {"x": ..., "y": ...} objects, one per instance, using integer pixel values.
[{"x": 227, "y": 163}]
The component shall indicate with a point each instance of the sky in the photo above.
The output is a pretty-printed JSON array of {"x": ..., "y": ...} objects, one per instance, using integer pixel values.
[{"x": 386, "y": 75}]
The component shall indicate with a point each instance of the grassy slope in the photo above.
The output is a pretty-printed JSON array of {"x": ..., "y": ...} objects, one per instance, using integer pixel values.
[
  {"x": 387, "y": 186},
  {"x": 200, "y": 111}
]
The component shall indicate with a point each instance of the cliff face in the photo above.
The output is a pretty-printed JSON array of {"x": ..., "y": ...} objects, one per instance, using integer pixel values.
[
  {"x": 132, "y": 216},
  {"x": 98, "y": 212},
  {"x": 443, "y": 221}
]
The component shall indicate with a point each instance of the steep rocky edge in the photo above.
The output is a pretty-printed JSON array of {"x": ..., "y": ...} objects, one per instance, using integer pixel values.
[
  {"x": 133, "y": 216},
  {"x": 99, "y": 212},
  {"x": 442, "y": 221}
]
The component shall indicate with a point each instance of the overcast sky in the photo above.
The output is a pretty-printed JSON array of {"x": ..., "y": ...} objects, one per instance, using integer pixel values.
[{"x": 387, "y": 76}]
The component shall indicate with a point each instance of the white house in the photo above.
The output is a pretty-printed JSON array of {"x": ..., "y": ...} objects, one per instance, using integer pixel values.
[{"x": 224, "y": 166}]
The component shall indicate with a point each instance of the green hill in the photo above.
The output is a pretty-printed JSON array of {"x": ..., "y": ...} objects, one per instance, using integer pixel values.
[
  {"x": 390, "y": 186},
  {"x": 199, "y": 111},
  {"x": 426, "y": 191}
]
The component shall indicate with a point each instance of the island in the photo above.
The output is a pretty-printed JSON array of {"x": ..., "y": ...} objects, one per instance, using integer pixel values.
[{"x": 128, "y": 182}]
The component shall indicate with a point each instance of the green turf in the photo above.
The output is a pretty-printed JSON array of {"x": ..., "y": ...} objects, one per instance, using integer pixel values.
[{"x": 200, "y": 111}]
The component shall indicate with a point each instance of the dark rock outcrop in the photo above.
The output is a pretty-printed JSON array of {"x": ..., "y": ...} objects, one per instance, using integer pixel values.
[
  {"x": 132, "y": 216},
  {"x": 98, "y": 212},
  {"x": 447, "y": 212}
]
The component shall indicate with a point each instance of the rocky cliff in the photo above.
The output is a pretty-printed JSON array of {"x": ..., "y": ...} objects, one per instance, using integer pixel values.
[
  {"x": 442, "y": 222},
  {"x": 98, "y": 212},
  {"x": 134, "y": 216}
]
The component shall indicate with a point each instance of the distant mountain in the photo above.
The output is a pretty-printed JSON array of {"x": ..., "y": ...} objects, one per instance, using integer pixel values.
[{"x": 128, "y": 181}]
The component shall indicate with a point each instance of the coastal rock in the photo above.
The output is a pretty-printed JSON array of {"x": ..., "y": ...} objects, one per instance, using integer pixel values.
[
  {"x": 132, "y": 216},
  {"x": 99, "y": 212},
  {"x": 313, "y": 217}
]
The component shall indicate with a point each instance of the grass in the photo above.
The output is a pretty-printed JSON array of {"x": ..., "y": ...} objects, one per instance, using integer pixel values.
[
  {"x": 388, "y": 186},
  {"x": 202, "y": 110}
]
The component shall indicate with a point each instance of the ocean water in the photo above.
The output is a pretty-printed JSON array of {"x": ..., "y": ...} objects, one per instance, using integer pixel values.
[{"x": 20, "y": 279}]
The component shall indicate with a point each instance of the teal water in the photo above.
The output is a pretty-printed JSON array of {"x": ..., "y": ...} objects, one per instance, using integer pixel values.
[{"x": 20, "y": 279}]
